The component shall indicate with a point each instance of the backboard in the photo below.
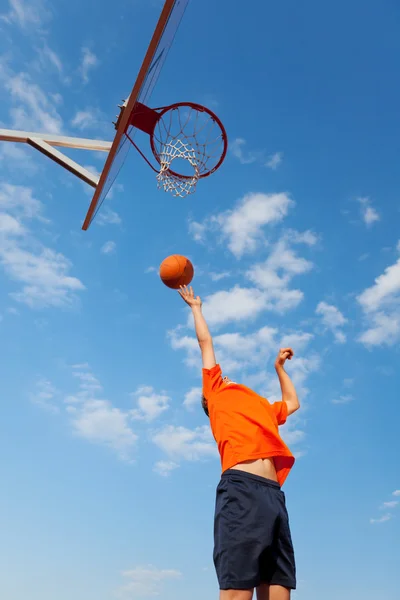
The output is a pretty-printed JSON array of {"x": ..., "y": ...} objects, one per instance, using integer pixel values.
[{"x": 154, "y": 59}]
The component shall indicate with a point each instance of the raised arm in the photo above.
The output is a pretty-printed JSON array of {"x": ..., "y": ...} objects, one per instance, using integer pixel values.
[
  {"x": 202, "y": 332},
  {"x": 289, "y": 394}
]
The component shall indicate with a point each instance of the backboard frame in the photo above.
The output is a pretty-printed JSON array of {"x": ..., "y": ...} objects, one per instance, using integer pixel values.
[{"x": 127, "y": 108}]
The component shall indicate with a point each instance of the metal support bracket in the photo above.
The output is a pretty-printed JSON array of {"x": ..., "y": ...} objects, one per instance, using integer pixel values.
[{"x": 45, "y": 142}]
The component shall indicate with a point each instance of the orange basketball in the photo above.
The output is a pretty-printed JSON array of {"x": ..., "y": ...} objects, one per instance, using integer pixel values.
[{"x": 176, "y": 270}]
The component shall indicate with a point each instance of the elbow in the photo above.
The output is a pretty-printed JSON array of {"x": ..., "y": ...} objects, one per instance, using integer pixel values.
[
  {"x": 204, "y": 341},
  {"x": 292, "y": 405}
]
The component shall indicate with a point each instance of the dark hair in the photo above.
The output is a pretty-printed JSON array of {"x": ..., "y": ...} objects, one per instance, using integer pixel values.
[{"x": 204, "y": 404}]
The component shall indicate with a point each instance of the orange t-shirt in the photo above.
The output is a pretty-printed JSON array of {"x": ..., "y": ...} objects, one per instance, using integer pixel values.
[{"x": 244, "y": 424}]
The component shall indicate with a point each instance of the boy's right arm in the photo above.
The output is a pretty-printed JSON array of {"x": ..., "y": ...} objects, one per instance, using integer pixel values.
[
  {"x": 202, "y": 332},
  {"x": 204, "y": 338}
]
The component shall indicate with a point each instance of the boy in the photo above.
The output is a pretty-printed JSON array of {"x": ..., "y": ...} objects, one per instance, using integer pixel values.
[{"x": 252, "y": 542}]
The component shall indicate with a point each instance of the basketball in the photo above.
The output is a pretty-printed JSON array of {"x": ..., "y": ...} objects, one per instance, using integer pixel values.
[{"x": 176, "y": 270}]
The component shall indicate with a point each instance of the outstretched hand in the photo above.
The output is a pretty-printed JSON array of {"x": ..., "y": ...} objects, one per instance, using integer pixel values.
[
  {"x": 188, "y": 296},
  {"x": 284, "y": 354}
]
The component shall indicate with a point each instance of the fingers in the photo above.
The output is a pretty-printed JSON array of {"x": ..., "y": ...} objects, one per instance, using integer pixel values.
[{"x": 286, "y": 353}]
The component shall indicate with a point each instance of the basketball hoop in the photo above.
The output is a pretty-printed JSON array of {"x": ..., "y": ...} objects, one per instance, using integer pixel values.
[{"x": 188, "y": 141}]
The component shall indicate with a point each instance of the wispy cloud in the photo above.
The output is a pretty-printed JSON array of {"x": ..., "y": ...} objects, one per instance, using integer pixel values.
[
  {"x": 107, "y": 216},
  {"x": 180, "y": 443},
  {"x": 150, "y": 405},
  {"x": 97, "y": 419},
  {"x": 13, "y": 155},
  {"x": 89, "y": 118},
  {"x": 192, "y": 398},
  {"x": 45, "y": 395},
  {"x": 145, "y": 581},
  {"x": 88, "y": 63},
  {"x": 165, "y": 467},
  {"x": 380, "y": 304},
  {"x": 243, "y": 226},
  {"x": 27, "y": 13},
  {"x": 343, "y": 399},
  {"x": 219, "y": 276},
  {"x": 32, "y": 109},
  {"x": 48, "y": 60},
  {"x": 333, "y": 320},
  {"x": 274, "y": 161},
  {"x": 368, "y": 213},
  {"x": 109, "y": 247},
  {"x": 388, "y": 505},
  {"x": 382, "y": 519},
  {"x": 42, "y": 272},
  {"x": 238, "y": 148}
]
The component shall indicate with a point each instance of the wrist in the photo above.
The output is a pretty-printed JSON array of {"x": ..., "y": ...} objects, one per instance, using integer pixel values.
[
  {"x": 196, "y": 308},
  {"x": 279, "y": 367}
]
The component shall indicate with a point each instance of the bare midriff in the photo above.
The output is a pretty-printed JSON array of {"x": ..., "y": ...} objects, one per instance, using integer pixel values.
[{"x": 263, "y": 467}]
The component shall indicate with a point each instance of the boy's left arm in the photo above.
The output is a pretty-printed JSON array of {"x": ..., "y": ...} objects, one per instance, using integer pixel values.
[{"x": 289, "y": 394}]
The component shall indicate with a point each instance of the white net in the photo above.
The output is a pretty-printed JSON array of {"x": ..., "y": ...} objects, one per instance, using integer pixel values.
[
  {"x": 190, "y": 132},
  {"x": 175, "y": 184}
]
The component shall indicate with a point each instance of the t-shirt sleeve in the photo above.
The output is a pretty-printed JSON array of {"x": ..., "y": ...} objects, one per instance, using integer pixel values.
[
  {"x": 212, "y": 379},
  {"x": 280, "y": 410}
]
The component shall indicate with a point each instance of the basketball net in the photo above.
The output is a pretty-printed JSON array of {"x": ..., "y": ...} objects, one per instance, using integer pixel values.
[{"x": 175, "y": 184}]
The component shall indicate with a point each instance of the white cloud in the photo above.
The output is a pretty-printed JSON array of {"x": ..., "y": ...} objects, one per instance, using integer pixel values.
[
  {"x": 47, "y": 58},
  {"x": 273, "y": 292},
  {"x": 43, "y": 272},
  {"x": 368, "y": 214},
  {"x": 198, "y": 231},
  {"x": 45, "y": 395},
  {"x": 20, "y": 201},
  {"x": 396, "y": 493},
  {"x": 391, "y": 504},
  {"x": 380, "y": 304},
  {"x": 333, "y": 320},
  {"x": 146, "y": 581},
  {"x": 89, "y": 61},
  {"x": 32, "y": 108},
  {"x": 192, "y": 398},
  {"x": 150, "y": 404},
  {"x": 107, "y": 216},
  {"x": 98, "y": 420},
  {"x": 165, "y": 467},
  {"x": 26, "y": 13},
  {"x": 275, "y": 274},
  {"x": 181, "y": 443},
  {"x": 245, "y": 157},
  {"x": 242, "y": 226},
  {"x": 108, "y": 248},
  {"x": 12, "y": 156},
  {"x": 90, "y": 118},
  {"x": 44, "y": 275},
  {"x": 274, "y": 160},
  {"x": 343, "y": 399},
  {"x": 237, "y": 304},
  {"x": 219, "y": 276},
  {"x": 91, "y": 417},
  {"x": 382, "y": 519}
]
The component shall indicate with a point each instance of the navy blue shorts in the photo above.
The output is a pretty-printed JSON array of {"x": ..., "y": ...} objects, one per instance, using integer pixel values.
[{"x": 252, "y": 541}]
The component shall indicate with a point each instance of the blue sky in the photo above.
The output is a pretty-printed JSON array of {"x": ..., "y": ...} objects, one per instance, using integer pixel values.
[{"x": 109, "y": 469}]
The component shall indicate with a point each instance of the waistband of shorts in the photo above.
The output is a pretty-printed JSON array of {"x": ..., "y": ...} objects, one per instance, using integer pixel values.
[{"x": 245, "y": 475}]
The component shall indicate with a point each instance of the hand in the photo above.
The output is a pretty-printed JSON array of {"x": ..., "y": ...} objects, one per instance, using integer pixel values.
[
  {"x": 284, "y": 354},
  {"x": 188, "y": 296}
]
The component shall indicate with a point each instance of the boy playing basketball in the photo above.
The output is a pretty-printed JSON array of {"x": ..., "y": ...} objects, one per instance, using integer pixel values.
[{"x": 252, "y": 542}]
